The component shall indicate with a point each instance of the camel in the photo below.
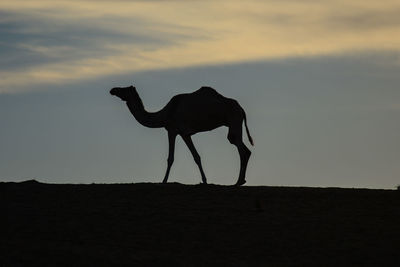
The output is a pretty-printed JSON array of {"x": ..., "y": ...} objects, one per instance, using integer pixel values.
[{"x": 191, "y": 113}]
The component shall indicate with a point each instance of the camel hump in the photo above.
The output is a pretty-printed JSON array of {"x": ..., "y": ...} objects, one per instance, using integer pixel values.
[{"x": 207, "y": 90}]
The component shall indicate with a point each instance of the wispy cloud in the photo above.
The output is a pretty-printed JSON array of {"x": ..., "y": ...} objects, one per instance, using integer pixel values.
[{"x": 63, "y": 41}]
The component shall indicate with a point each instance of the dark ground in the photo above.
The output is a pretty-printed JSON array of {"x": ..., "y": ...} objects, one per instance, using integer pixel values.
[{"x": 195, "y": 225}]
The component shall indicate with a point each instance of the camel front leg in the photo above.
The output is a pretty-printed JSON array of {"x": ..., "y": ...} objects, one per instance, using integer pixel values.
[
  {"x": 171, "y": 152},
  {"x": 196, "y": 156}
]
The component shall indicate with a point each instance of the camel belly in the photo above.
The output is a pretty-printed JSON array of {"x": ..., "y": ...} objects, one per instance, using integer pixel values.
[
  {"x": 192, "y": 128},
  {"x": 190, "y": 117},
  {"x": 202, "y": 121}
]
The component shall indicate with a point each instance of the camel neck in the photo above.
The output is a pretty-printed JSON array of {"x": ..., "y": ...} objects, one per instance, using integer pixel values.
[{"x": 147, "y": 119}]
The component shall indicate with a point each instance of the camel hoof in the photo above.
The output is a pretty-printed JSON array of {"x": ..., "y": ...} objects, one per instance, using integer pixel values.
[{"x": 240, "y": 182}]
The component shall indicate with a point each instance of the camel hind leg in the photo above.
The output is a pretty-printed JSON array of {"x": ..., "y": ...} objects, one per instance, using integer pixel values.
[{"x": 235, "y": 137}]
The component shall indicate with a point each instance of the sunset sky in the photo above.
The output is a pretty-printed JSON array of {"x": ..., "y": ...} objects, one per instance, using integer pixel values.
[{"x": 319, "y": 81}]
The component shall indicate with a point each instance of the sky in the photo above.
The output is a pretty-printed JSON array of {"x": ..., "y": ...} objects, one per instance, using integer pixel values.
[{"x": 319, "y": 81}]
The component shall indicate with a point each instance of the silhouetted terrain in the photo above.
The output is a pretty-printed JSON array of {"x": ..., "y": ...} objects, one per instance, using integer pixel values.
[{"x": 195, "y": 225}]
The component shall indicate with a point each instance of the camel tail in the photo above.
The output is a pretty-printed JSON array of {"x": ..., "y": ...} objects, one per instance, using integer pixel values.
[{"x": 247, "y": 129}]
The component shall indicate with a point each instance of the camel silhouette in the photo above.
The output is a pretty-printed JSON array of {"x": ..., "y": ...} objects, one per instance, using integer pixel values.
[{"x": 188, "y": 114}]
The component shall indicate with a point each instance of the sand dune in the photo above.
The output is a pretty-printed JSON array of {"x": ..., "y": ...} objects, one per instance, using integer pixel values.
[{"x": 195, "y": 225}]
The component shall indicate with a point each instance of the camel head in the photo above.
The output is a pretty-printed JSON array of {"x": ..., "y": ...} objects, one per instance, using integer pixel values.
[{"x": 125, "y": 93}]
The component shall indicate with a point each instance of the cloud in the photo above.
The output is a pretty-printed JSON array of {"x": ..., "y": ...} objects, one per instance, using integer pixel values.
[
  {"x": 365, "y": 19},
  {"x": 47, "y": 42}
]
